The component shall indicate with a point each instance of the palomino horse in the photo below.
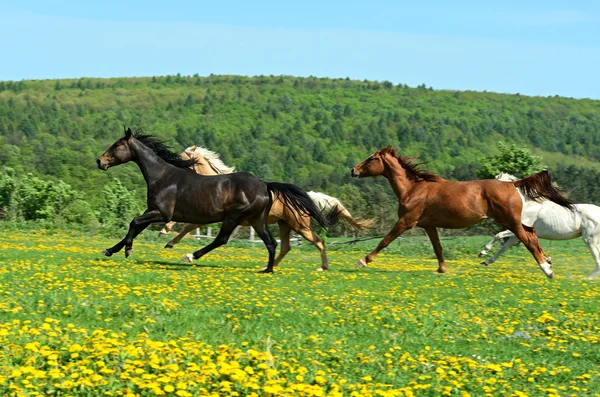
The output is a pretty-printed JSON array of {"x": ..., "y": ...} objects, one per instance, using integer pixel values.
[
  {"x": 177, "y": 193},
  {"x": 209, "y": 163},
  {"x": 429, "y": 201},
  {"x": 553, "y": 222}
]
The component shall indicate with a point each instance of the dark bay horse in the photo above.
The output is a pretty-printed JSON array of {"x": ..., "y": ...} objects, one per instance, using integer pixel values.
[
  {"x": 429, "y": 201},
  {"x": 209, "y": 163},
  {"x": 175, "y": 192}
]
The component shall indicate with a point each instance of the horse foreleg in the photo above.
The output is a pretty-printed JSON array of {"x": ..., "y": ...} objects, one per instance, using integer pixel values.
[
  {"x": 591, "y": 237},
  {"x": 167, "y": 228},
  {"x": 497, "y": 237},
  {"x": 400, "y": 227},
  {"x": 595, "y": 250},
  {"x": 187, "y": 228},
  {"x": 136, "y": 226},
  {"x": 437, "y": 247},
  {"x": 512, "y": 241},
  {"x": 529, "y": 239}
]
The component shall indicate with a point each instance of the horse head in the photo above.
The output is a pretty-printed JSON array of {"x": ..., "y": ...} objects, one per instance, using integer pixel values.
[
  {"x": 119, "y": 152},
  {"x": 372, "y": 165}
]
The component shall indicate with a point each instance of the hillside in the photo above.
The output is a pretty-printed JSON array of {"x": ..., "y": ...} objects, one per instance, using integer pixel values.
[{"x": 308, "y": 131}]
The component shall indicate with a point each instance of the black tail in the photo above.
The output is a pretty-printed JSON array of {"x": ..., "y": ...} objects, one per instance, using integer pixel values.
[
  {"x": 539, "y": 186},
  {"x": 297, "y": 199}
]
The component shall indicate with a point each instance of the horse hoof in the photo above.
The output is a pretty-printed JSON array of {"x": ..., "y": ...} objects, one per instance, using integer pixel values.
[
  {"x": 264, "y": 271},
  {"x": 128, "y": 252},
  {"x": 188, "y": 258},
  {"x": 106, "y": 253},
  {"x": 486, "y": 263},
  {"x": 169, "y": 245},
  {"x": 546, "y": 268},
  {"x": 482, "y": 254},
  {"x": 322, "y": 269},
  {"x": 361, "y": 263}
]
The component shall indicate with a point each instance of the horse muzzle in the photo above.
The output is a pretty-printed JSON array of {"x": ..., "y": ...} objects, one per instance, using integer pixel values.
[
  {"x": 103, "y": 166},
  {"x": 354, "y": 174}
]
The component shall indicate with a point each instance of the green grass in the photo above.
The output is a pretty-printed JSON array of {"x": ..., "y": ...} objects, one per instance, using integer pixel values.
[{"x": 395, "y": 325}]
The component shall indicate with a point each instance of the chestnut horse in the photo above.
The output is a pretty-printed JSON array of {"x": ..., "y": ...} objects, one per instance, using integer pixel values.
[
  {"x": 429, "y": 201},
  {"x": 209, "y": 163}
]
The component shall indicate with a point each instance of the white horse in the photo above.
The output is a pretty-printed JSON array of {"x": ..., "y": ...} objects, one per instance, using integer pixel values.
[{"x": 553, "y": 222}]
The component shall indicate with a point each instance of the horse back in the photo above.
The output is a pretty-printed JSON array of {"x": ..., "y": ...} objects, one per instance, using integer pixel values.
[{"x": 456, "y": 204}]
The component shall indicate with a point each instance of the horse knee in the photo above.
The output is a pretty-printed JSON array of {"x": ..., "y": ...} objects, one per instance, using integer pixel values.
[{"x": 221, "y": 240}]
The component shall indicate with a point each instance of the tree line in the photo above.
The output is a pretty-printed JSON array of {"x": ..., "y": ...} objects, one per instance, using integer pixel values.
[{"x": 307, "y": 131}]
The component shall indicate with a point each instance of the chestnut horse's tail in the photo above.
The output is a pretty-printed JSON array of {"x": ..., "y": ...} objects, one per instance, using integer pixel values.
[
  {"x": 299, "y": 201},
  {"x": 539, "y": 186}
]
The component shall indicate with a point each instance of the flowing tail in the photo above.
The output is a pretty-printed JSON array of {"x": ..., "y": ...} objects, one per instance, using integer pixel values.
[
  {"x": 328, "y": 204},
  {"x": 357, "y": 223},
  {"x": 539, "y": 186},
  {"x": 298, "y": 200}
]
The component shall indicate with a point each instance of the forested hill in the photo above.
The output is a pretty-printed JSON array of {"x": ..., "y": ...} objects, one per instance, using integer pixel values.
[{"x": 308, "y": 131}]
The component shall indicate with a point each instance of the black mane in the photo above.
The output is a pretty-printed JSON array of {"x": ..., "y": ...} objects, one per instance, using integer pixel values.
[{"x": 162, "y": 150}]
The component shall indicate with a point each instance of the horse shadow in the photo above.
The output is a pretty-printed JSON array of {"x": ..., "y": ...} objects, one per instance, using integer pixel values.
[{"x": 182, "y": 266}]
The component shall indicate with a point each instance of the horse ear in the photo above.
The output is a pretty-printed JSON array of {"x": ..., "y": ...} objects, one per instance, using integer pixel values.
[
  {"x": 387, "y": 149},
  {"x": 194, "y": 148},
  {"x": 128, "y": 133}
]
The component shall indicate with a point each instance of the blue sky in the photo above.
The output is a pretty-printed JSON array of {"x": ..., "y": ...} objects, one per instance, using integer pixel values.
[{"x": 530, "y": 47}]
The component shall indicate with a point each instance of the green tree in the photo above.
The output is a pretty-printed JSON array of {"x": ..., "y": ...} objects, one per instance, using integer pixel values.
[
  {"x": 511, "y": 159},
  {"x": 118, "y": 206}
]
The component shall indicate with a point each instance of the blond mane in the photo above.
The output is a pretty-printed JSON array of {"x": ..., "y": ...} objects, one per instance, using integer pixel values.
[{"x": 213, "y": 159}]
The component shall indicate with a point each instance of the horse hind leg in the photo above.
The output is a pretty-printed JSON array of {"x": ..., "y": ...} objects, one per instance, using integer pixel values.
[
  {"x": 260, "y": 226},
  {"x": 167, "y": 228},
  {"x": 188, "y": 228},
  {"x": 512, "y": 241},
  {"x": 284, "y": 234},
  {"x": 486, "y": 248},
  {"x": 437, "y": 248},
  {"x": 318, "y": 242}
]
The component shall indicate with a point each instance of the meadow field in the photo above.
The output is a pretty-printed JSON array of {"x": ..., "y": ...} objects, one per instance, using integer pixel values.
[{"x": 75, "y": 323}]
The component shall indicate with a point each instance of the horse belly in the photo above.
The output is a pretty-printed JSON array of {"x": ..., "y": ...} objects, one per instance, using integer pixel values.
[
  {"x": 450, "y": 218},
  {"x": 202, "y": 210},
  {"x": 561, "y": 224},
  {"x": 197, "y": 215}
]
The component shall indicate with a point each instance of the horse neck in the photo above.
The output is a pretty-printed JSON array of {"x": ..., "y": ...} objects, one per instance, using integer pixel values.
[
  {"x": 150, "y": 164},
  {"x": 395, "y": 173}
]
